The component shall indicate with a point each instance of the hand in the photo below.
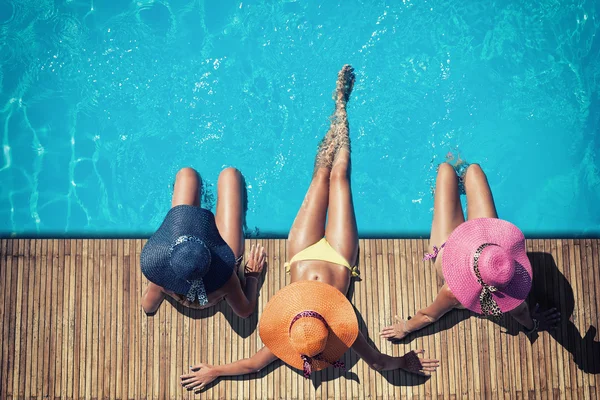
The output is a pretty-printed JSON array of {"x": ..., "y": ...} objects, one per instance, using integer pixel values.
[
  {"x": 419, "y": 366},
  {"x": 548, "y": 319},
  {"x": 256, "y": 261},
  {"x": 201, "y": 375},
  {"x": 395, "y": 331}
]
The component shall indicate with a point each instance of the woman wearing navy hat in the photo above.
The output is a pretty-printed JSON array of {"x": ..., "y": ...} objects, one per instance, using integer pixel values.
[{"x": 194, "y": 256}]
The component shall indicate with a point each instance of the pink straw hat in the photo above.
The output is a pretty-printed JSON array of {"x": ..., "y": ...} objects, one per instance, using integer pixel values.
[{"x": 494, "y": 249}]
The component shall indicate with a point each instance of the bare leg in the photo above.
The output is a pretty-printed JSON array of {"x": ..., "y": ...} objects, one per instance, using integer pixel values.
[
  {"x": 309, "y": 225},
  {"x": 230, "y": 209},
  {"x": 341, "y": 231},
  {"x": 186, "y": 191},
  {"x": 480, "y": 203},
  {"x": 447, "y": 210},
  {"x": 187, "y": 188}
]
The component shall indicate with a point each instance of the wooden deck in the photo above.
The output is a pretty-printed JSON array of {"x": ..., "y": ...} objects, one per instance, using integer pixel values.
[{"x": 72, "y": 327}]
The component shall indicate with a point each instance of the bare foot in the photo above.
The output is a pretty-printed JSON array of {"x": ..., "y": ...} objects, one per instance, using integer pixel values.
[
  {"x": 339, "y": 122},
  {"x": 345, "y": 83},
  {"x": 332, "y": 142}
]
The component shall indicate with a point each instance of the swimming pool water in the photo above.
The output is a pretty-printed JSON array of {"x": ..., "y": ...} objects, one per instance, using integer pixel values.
[{"x": 101, "y": 102}]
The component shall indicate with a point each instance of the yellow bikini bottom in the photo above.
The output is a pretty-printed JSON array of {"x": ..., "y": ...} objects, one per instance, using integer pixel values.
[{"x": 322, "y": 251}]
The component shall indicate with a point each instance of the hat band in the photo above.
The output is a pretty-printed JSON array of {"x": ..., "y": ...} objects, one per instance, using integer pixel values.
[
  {"x": 488, "y": 305},
  {"x": 182, "y": 239},
  {"x": 307, "y": 361},
  {"x": 311, "y": 314}
]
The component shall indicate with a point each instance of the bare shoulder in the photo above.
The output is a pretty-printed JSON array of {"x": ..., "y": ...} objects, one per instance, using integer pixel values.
[{"x": 451, "y": 298}]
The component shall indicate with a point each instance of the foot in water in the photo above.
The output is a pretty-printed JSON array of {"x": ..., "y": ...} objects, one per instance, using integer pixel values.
[
  {"x": 345, "y": 84},
  {"x": 337, "y": 136}
]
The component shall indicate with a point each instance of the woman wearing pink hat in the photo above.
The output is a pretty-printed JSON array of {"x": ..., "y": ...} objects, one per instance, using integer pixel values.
[{"x": 483, "y": 261}]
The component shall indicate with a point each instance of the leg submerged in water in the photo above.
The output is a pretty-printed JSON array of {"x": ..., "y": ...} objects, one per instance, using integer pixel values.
[{"x": 341, "y": 231}]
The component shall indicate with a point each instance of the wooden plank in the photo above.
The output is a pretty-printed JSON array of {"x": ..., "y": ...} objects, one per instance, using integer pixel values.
[
  {"x": 125, "y": 278},
  {"x": 21, "y": 328},
  {"x": 104, "y": 320},
  {"x": 74, "y": 276},
  {"x": 596, "y": 321},
  {"x": 12, "y": 262},
  {"x": 95, "y": 311},
  {"x": 32, "y": 320},
  {"x": 112, "y": 368},
  {"x": 383, "y": 310},
  {"x": 89, "y": 293},
  {"x": 37, "y": 345},
  {"x": 140, "y": 324},
  {"x": 46, "y": 310},
  {"x": 5, "y": 283},
  {"x": 5, "y": 299},
  {"x": 369, "y": 314},
  {"x": 578, "y": 314},
  {"x": 591, "y": 311},
  {"x": 80, "y": 302}
]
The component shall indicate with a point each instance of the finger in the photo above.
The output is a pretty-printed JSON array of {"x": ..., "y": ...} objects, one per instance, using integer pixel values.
[
  {"x": 199, "y": 388},
  {"x": 537, "y": 308},
  {"x": 188, "y": 381},
  {"x": 420, "y": 351},
  {"x": 191, "y": 386},
  {"x": 429, "y": 369},
  {"x": 186, "y": 376},
  {"x": 397, "y": 318}
]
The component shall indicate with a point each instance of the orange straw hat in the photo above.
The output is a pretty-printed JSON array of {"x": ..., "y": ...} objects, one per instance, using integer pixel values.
[{"x": 309, "y": 325}]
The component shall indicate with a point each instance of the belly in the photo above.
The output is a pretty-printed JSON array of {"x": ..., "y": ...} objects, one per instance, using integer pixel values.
[{"x": 335, "y": 275}]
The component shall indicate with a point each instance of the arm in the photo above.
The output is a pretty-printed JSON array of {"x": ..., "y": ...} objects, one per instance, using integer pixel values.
[
  {"x": 152, "y": 298},
  {"x": 522, "y": 315},
  {"x": 203, "y": 374},
  {"x": 444, "y": 302},
  {"x": 536, "y": 320},
  {"x": 381, "y": 362},
  {"x": 242, "y": 302}
]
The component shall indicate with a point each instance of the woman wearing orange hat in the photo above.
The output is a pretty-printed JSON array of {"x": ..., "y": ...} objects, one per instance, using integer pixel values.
[{"x": 310, "y": 323}]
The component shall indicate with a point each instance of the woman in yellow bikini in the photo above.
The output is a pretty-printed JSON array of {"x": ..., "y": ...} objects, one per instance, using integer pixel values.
[{"x": 310, "y": 323}]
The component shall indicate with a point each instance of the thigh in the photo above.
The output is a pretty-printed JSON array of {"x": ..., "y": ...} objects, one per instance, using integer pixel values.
[
  {"x": 341, "y": 231},
  {"x": 231, "y": 207},
  {"x": 480, "y": 202},
  {"x": 187, "y": 188},
  {"x": 309, "y": 225},
  {"x": 447, "y": 209}
]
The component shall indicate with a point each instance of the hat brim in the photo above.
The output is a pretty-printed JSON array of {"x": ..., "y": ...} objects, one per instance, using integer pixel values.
[
  {"x": 457, "y": 262},
  {"x": 186, "y": 220},
  {"x": 308, "y": 296}
]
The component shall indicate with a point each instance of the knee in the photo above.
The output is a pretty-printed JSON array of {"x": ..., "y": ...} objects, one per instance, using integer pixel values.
[
  {"x": 474, "y": 172},
  {"x": 341, "y": 171},
  {"x": 188, "y": 174},
  {"x": 230, "y": 174},
  {"x": 446, "y": 172}
]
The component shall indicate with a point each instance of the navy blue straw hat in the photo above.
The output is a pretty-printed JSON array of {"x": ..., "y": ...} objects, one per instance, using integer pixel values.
[{"x": 187, "y": 255}]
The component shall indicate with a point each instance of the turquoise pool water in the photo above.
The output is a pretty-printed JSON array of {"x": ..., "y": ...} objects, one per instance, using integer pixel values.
[{"x": 101, "y": 102}]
